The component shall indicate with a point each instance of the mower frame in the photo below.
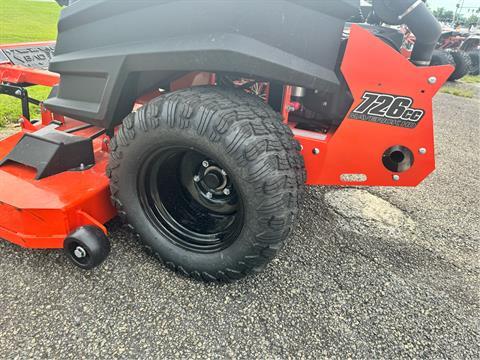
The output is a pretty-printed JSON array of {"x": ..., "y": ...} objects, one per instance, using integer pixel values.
[{"x": 358, "y": 152}]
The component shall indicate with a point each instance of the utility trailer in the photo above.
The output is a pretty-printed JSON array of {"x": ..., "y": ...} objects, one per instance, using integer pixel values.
[{"x": 199, "y": 124}]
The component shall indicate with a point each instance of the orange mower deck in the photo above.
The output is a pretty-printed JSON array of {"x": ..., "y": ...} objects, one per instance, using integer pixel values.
[{"x": 42, "y": 213}]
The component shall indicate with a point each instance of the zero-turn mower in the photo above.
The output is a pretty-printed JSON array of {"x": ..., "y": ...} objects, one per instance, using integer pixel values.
[
  {"x": 461, "y": 50},
  {"x": 199, "y": 123}
]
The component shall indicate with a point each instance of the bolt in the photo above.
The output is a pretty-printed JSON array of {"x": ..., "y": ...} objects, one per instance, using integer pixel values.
[
  {"x": 80, "y": 252},
  {"x": 316, "y": 151},
  {"x": 82, "y": 166},
  {"x": 325, "y": 104},
  {"x": 196, "y": 178},
  {"x": 432, "y": 80},
  {"x": 18, "y": 92},
  {"x": 396, "y": 177},
  {"x": 205, "y": 164},
  {"x": 290, "y": 108},
  {"x": 422, "y": 151},
  {"x": 226, "y": 191},
  {"x": 209, "y": 195}
]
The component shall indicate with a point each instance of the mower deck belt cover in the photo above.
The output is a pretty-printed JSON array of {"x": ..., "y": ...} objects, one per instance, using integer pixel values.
[{"x": 52, "y": 152}]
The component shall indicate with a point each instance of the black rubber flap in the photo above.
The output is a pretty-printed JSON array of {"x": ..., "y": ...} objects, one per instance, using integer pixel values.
[{"x": 52, "y": 152}]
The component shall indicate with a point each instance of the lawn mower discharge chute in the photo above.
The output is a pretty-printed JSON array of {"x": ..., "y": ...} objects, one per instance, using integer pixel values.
[{"x": 200, "y": 123}]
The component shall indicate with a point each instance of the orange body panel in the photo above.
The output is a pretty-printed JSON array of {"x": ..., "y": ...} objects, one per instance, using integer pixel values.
[
  {"x": 356, "y": 147},
  {"x": 18, "y": 75}
]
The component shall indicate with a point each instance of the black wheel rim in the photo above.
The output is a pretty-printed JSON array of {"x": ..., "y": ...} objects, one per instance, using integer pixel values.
[{"x": 191, "y": 199}]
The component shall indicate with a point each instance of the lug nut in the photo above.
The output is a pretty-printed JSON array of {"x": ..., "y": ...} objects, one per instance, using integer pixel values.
[
  {"x": 196, "y": 178},
  {"x": 226, "y": 191},
  {"x": 205, "y": 164},
  {"x": 209, "y": 195},
  {"x": 224, "y": 173}
]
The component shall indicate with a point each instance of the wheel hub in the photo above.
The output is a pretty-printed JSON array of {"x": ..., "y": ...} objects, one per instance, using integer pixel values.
[
  {"x": 80, "y": 252},
  {"x": 212, "y": 179}
]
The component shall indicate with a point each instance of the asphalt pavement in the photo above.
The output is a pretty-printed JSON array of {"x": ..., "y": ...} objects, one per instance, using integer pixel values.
[{"x": 372, "y": 273}]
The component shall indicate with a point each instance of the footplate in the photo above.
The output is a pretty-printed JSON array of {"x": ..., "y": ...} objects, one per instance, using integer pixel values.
[{"x": 30, "y": 56}]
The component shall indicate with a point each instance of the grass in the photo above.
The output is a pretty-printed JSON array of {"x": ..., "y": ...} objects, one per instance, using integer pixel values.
[
  {"x": 471, "y": 79},
  {"x": 25, "y": 21},
  {"x": 458, "y": 92},
  {"x": 11, "y": 108}
]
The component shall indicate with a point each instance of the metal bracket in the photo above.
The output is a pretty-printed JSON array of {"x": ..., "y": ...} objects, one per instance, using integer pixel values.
[
  {"x": 410, "y": 9},
  {"x": 22, "y": 94}
]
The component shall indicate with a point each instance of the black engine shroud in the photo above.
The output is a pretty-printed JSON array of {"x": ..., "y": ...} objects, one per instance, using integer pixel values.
[{"x": 110, "y": 52}]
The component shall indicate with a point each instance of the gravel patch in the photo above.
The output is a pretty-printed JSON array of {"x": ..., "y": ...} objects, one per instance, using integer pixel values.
[{"x": 368, "y": 273}]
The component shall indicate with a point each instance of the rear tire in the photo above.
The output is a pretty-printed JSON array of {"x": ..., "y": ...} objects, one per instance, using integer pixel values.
[
  {"x": 462, "y": 64},
  {"x": 441, "y": 57},
  {"x": 475, "y": 60},
  {"x": 168, "y": 156}
]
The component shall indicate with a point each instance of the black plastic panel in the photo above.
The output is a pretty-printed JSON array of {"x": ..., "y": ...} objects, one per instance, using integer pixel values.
[
  {"x": 37, "y": 57},
  {"x": 111, "y": 51},
  {"x": 51, "y": 152},
  {"x": 3, "y": 58}
]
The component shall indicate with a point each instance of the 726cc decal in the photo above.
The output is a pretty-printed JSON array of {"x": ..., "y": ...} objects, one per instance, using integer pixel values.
[{"x": 388, "y": 109}]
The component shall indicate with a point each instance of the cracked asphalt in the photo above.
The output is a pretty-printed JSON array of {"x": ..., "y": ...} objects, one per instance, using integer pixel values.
[{"x": 373, "y": 273}]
